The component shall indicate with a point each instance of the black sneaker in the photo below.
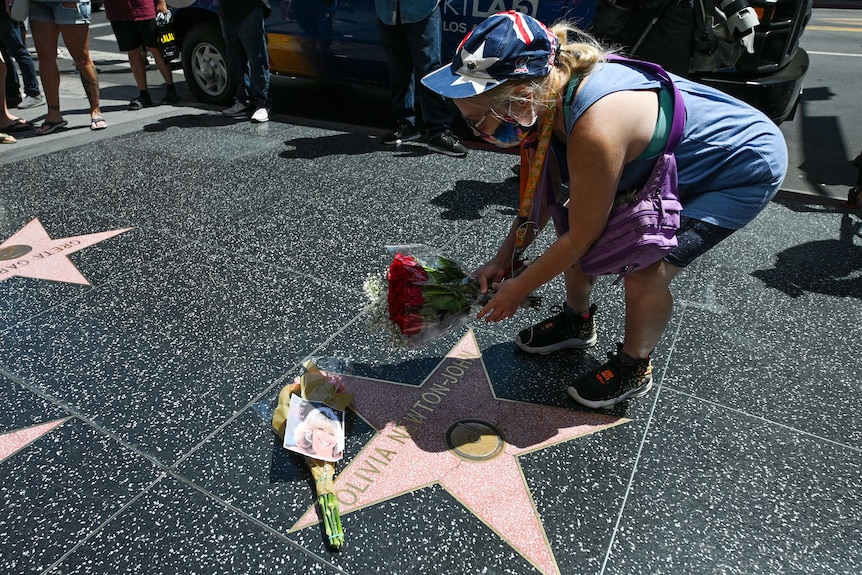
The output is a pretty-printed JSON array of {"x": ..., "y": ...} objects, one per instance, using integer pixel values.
[
  {"x": 619, "y": 379},
  {"x": 565, "y": 330},
  {"x": 404, "y": 133},
  {"x": 142, "y": 101},
  {"x": 447, "y": 143}
]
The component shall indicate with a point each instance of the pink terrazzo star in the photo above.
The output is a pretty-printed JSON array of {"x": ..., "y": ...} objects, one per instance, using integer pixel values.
[
  {"x": 452, "y": 430},
  {"x": 15, "y": 441},
  {"x": 32, "y": 253}
]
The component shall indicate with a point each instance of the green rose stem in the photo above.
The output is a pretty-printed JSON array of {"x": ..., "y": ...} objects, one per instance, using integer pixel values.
[{"x": 323, "y": 473}]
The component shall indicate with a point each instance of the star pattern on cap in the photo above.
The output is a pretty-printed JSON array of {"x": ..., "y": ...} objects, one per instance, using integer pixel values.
[{"x": 474, "y": 69}]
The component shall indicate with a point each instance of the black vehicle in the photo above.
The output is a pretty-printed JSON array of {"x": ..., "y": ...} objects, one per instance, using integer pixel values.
[{"x": 337, "y": 40}]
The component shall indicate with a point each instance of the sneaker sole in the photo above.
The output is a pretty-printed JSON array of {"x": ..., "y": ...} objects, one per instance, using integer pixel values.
[
  {"x": 402, "y": 140},
  {"x": 566, "y": 344},
  {"x": 638, "y": 392},
  {"x": 447, "y": 152}
]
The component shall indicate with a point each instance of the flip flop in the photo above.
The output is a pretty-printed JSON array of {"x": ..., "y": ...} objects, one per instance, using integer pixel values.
[
  {"x": 17, "y": 125},
  {"x": 98, "y": 123},
  {"x": 50, "y": 127},
  {"x": 7, "y": 139}
]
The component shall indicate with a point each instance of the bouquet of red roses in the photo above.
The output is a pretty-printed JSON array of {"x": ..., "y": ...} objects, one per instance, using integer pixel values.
[{"x": 425, "y": 296}]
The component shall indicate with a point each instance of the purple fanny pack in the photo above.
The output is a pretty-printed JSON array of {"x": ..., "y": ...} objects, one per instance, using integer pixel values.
[{"x": 641, "y": 229}]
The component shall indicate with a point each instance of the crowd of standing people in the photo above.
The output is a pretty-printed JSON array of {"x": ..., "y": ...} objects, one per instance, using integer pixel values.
[{"x": 134, "y": 25}]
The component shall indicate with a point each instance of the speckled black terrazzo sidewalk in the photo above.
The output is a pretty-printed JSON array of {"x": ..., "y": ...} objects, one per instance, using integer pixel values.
[{"x": 135, "y": 432}]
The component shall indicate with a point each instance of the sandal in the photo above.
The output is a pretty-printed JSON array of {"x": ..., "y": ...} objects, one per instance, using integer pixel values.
[
  {"x": 17, "y": 125},
  {"x": 50, "y": 127},
  {"x": 7, "y": 139},
  {"x": 98, "y": 123}
]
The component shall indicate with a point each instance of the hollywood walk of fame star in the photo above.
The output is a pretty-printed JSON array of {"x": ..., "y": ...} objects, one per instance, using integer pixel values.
[
  {"x": 452, "y": 430},
  {"x": 32, "y": 253},
  {"x": 14, "y": 441}
]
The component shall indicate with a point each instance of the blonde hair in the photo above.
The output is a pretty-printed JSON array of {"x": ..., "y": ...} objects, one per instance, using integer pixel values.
[
  {"x": 317, "y": 419},
  {"x": 577, "y": 54}
]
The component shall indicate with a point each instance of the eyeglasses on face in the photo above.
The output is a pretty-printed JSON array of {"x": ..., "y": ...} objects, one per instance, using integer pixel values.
[{"x": 477, "y": 125}]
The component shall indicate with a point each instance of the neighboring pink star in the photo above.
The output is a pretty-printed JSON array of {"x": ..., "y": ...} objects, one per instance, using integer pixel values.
[
  {"x": 32, "y": 253},
  {"x": 14, "y": 441},
  {"x": 456, "y": 402}
]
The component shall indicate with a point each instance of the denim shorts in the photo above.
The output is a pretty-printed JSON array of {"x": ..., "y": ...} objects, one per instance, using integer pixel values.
[{"x": 58, "y": 13}]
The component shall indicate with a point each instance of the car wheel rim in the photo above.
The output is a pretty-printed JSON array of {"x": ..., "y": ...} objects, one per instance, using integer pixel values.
[{"x": 210, "y": 69}]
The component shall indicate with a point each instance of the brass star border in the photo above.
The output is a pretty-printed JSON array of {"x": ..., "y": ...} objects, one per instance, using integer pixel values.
[{"x": 454, "y": 431}]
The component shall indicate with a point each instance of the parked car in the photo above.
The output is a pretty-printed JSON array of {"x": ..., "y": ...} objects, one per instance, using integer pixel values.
[{"x": 337, "y": 40}]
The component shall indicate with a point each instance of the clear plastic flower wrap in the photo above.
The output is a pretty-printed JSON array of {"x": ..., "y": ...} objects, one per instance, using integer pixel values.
[{"x": 424, "y": 296}]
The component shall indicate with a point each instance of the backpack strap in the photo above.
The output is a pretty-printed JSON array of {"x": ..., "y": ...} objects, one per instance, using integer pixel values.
[{"x": 678, "y": 123}]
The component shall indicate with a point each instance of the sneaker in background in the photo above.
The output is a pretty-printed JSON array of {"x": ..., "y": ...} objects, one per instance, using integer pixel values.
[
  {"x": 31, "y": 102},
  {"x": 447, "y": 143},
  {"x": 260, "y": 116},
  {"x": 238, "y": 109},
  {"x": 404, "y": 133},
  {"x": 566, "y": 330},
  {"x": 621, "y": 378}
]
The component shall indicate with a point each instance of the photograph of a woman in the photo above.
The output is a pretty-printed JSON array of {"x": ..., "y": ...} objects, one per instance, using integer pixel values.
[{"x": 318, "y": 430}]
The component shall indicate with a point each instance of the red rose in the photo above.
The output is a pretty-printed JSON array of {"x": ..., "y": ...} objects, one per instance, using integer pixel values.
[{"x": 406, "y": 278}]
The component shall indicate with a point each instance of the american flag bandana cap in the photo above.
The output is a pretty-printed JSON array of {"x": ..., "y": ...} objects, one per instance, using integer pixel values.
[{"x": 505, "y": 46}]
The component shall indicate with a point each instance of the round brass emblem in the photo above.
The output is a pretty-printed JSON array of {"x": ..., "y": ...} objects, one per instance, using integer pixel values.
[
  {"x": 474, "y": 440},
  {"x": 12, "y": 252}
]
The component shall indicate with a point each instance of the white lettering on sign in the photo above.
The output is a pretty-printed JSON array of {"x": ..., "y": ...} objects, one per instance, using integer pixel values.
[
  {"x": 481, "y": 9},
  {"x": 529, "y": 7}
]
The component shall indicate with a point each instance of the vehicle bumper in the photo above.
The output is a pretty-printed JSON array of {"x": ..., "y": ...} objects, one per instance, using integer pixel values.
[{"x": 776, "y": 95}]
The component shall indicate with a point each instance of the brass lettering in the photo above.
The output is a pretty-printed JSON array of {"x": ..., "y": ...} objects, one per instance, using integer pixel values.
[
  {"x": 419, "y": 405},
  {"x": 356, "y": 489},
  {"x": 346, "y": 497},
  {"x": 366, "y": 479},
  {"x": 439, "y": 388},
  {"x": 385, "y": 454},
  {"x": 400, "y": 434},
  {"x": 415, "y": 417},
  {"x": 371, "y": 469},
  {"x": 454, "y": 370}
]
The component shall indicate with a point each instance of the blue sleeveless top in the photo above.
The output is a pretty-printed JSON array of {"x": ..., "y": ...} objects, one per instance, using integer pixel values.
[{"x": 731, "y": 160}]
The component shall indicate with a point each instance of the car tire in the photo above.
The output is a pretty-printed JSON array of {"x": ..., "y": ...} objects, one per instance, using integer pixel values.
[{"x": 205, "y": 65}]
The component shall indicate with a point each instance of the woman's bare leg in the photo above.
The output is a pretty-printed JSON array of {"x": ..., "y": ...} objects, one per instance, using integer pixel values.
[
  {"x": 649, "y": 305},
  {"x": 45, "y": 37},
  {"x": 77, "y": 40}
]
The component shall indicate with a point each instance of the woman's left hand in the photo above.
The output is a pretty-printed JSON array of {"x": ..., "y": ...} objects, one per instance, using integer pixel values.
[{"x": 508, "y": 297}]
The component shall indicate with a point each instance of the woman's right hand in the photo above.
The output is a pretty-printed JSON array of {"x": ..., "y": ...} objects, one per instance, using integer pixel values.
[{"x": 490, "y": 273}]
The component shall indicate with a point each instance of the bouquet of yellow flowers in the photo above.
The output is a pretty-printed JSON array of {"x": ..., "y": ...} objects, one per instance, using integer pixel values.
[{"x": 315, "y": 385}]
